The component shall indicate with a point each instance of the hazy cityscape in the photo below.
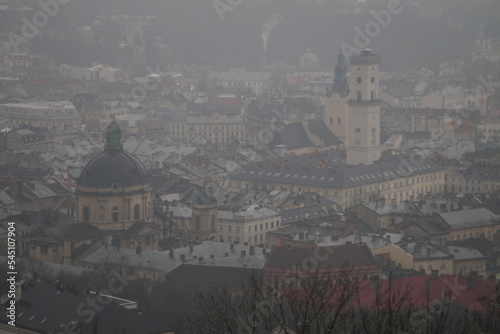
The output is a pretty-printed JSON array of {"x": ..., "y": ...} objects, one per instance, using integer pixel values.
[{"x": 257, "y": 166}]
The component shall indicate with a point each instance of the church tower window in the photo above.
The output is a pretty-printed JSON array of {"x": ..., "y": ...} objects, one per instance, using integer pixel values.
[{"x": 136, "y": 211}]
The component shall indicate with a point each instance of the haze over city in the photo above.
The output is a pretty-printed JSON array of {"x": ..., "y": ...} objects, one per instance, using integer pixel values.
[{"x": 257, "y": 166}]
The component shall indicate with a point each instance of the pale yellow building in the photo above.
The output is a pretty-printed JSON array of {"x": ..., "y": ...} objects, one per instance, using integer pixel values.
[
  {"x": 114, "y": 206},
  {"x": 49, "y": 115},
  {"x": 249, "y": 226},
  {"x": 217, "y": 129},
  {"x": 395, "y": 255},
  {"x": 395, "y": 181}
]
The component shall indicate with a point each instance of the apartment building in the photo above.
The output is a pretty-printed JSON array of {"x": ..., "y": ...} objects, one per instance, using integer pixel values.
[{"x": 249, "y": 226}]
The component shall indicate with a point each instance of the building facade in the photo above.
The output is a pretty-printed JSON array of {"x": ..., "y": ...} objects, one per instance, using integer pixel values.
[
  {"x": 395, "y": 181},
  {"x": 248, "y": 227},
  {"x": 49, "y": 115},
  {"x": 364, "y": 110}
]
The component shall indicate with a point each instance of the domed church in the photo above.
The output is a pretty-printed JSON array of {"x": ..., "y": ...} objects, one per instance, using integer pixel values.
[
  {"x": 114, "y": 206},
  {"x": 309, "y": 61},
  {"x": 114, "y": 194}
]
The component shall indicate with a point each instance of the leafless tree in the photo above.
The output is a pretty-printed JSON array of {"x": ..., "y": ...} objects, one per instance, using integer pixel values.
[{"x": 324, "y": 303}]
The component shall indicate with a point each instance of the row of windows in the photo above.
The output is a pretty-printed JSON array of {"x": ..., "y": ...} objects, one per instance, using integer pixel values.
[
  {"x": 471, "y": 235},
  {"x": 256, "y": 227},
  {"x": 115, "y": 215},
  {"x": 490, "y": 130}
]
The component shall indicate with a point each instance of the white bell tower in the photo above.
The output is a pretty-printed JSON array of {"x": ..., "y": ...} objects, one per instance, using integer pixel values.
[{"x": 364, "y": 109}]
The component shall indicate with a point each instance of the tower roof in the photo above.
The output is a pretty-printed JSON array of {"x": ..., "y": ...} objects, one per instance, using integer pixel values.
[
  {"x": 340, "y": 82},
  {"x": 366, "y": 56}
]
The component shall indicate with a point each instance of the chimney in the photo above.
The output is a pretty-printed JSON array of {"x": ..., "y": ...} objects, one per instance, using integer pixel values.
[
  {"x": 171, "y": 253},
  {"x": 138, "y": 250}
]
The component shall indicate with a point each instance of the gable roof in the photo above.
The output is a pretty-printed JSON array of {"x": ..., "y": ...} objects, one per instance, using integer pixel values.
[
  {"x": 283, "y": 259},
  {"x": 293, "y": 135},
  {"x": 229, "y": 277},
  {"x": 469, "y": 218},
  {"x": 332, "y": 178},
  {"x": 319, "y": 128},
  {"x": 77, "y": 231}
]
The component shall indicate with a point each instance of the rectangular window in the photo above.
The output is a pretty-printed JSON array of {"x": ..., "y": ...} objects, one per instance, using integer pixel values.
[
  {"x": 358, "y": 96},
  {"x": 115, "y": 214}
]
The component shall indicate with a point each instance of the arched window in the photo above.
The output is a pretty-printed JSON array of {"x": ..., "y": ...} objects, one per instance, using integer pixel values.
[
  {"x": 197, "y": 223},
  {"x": 331, "y": 120},
  {"x": 357, "y": 136},
  {"x": 374, "y": 136},
  {"x": 86, "y": 213},
  {"x": 136, "y": 211},
  {"x": 338, "y": 121}
]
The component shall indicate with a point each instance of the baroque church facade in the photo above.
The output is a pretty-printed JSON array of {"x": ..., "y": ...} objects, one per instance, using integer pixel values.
[{"x": 114, "y": 206}]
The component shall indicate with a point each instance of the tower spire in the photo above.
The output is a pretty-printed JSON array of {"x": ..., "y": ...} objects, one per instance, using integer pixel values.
[
  {"x": 340, "y": 82},
  {"x": 113, "y": 137}
]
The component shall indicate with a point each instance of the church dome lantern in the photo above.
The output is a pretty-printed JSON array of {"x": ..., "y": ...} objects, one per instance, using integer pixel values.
[{"x": 113, "y": 168}]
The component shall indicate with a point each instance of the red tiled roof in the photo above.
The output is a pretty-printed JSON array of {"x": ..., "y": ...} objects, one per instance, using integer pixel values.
[{"x": 413, "y": 290}]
